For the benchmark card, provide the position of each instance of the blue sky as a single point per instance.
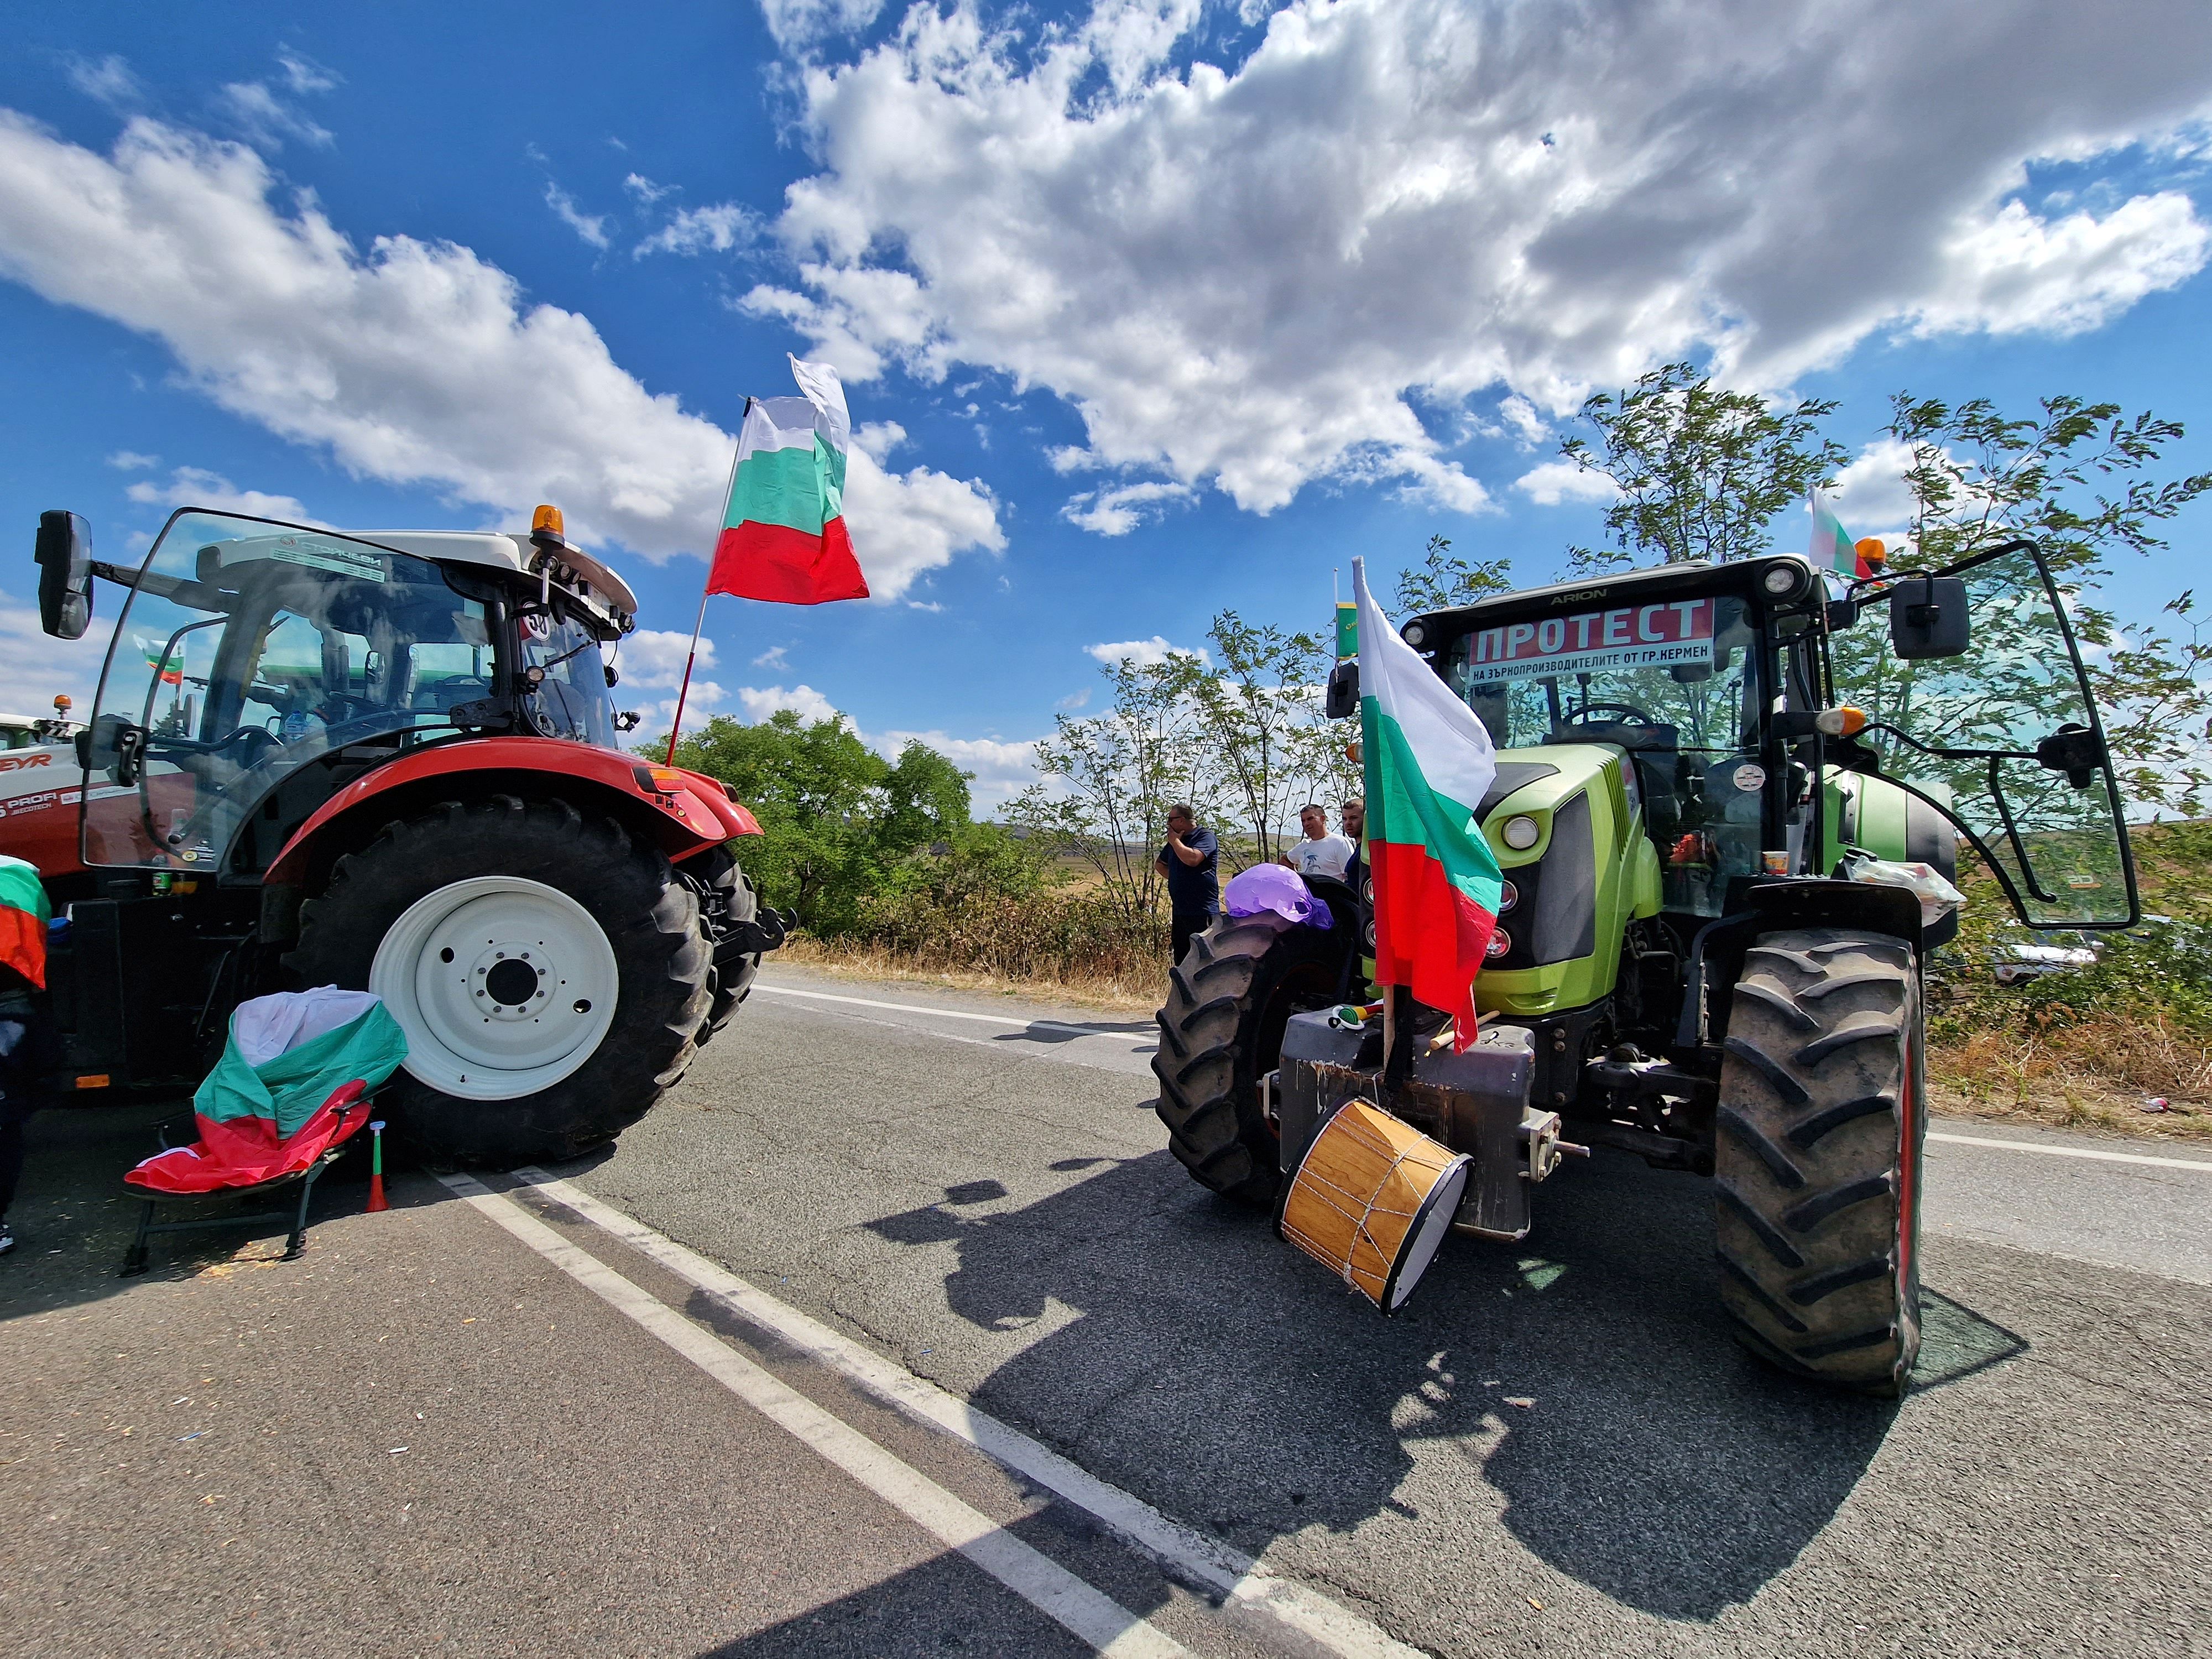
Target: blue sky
(1145, 309)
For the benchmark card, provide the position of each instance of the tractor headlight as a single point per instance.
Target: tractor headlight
(1416, 635)
(1781, 580)
(1500, 943)
(1507, 897)
(1521, 832)
(1367, 890)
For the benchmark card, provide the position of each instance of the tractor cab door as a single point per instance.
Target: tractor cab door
(247, 653)
(2003, 736)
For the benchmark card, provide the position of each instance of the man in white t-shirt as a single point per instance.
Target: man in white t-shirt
(1320, 853)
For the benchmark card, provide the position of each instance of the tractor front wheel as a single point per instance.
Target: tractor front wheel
(549, 971)
(1222, 1031)
(1817, 1157)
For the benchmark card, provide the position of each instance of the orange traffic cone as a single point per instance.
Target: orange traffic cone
(376, 1201)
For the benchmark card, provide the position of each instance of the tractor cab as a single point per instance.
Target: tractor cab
(257, 667)
(1760, 730)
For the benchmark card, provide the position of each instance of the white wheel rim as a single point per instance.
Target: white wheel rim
(503, 986)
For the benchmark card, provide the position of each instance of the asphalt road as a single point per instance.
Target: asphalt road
(977, 1192)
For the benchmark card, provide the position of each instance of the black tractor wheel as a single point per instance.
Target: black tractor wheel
(549, 970)
(1222, 1031)
(725, 890)
(1817, 1157)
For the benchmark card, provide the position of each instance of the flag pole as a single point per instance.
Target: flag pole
(676, 726)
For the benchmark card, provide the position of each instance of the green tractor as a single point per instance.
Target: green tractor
(1707, 954)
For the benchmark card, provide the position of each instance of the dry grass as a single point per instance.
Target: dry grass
(2093, 1075)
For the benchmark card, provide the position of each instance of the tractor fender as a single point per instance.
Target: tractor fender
(1716, 955)
(683, 813)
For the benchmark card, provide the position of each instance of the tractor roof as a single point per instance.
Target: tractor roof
(503, 552)
(1687, 574)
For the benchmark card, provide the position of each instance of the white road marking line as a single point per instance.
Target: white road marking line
(1094, 1617)
(1281, 1609)
(2204, 1164)
(945, 1013)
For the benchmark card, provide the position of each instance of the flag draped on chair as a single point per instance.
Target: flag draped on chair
(1429, 761)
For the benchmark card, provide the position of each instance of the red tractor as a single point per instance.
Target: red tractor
(388, 760)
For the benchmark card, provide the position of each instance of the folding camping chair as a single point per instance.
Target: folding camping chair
(135, 1258)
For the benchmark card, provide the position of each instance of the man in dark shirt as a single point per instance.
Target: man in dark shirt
(1190, 861)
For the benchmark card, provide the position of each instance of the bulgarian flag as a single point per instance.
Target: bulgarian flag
(783, 527)
(1428, 763)
(24, 913)
(1832, 547)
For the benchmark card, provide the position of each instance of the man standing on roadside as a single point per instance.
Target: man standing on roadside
(1191, 862)
(1355, 831)
(1320, 853)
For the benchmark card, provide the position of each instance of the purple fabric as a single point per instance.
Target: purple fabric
(1273, 887)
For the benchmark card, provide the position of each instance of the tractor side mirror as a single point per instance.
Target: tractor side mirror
(64, 556)
(1343, 702)
(1929, 617)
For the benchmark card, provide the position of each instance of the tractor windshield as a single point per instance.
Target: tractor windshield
(2006, 740)
(248, 650)
(1679, 684)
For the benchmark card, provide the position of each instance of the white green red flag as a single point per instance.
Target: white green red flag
(783, 527)
(1429, 761)
(1832, 547)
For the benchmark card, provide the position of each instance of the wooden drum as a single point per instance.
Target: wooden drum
(1372, 1200)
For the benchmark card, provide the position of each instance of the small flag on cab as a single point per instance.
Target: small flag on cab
(783, 535)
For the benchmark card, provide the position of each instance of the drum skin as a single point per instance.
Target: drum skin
(1372, 1200)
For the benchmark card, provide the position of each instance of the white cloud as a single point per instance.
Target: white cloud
(1871, 495)
(195, 486)
(417, 364)
(35, 665)
(1075, 700)
(655, 657)
(761, 701)
(108, 79)
(129, 460)
(1555, 482)
(1001, 769)
(1247, 280)
(698, 230)
(905, 524)
(774, 659)
(2013, 273)
(303, 74)
(591, 227)
(1145, 654)
(644, 190)
(266, 119)
(800, 26)
(1117, 511)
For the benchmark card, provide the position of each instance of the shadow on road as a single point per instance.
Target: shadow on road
(1062, 1031)
(1583, 1388)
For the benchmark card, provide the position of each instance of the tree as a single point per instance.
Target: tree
(1702, 472)
(1108, 780)
(1442, 582)
(835, 815)
(2067, 477)
(1254, 708)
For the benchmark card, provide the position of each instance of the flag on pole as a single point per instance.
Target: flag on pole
(1428, 762)
(783, 526)
(24, 913)
(1832, 547)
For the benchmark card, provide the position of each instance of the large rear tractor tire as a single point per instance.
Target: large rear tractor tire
(1222, 1031)
(550, 973)
(729, 891)
(1817, 1157)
